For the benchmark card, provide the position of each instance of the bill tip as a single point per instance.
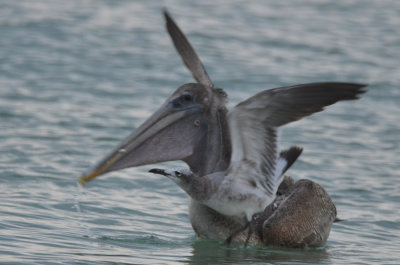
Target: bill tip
(82, 180)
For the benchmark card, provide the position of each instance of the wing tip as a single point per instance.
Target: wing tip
(166, 14)
(350, 91)
(290, 155)
(186, 51)
(361, 89)
(168, 18)
(357, 89)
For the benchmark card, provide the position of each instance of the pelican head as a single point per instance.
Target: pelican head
(176, 131)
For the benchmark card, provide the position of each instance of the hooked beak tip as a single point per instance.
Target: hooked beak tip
(101, 169)
(83, 179)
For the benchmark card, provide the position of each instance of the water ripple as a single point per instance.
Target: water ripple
(77, 78)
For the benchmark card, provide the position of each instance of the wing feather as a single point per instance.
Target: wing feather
(254, 150)
(253, 125)
(287, 104)
(187, 53)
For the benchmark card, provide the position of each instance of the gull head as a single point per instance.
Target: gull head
(178, 175)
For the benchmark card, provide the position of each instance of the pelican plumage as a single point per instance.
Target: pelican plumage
(194, 125)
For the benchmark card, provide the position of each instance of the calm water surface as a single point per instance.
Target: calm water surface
(76, 77)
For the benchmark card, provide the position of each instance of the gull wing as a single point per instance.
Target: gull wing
(254, 149)
(187, 53)
(286, 104)
(253, 124)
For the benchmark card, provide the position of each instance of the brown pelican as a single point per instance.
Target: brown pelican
(192, 126)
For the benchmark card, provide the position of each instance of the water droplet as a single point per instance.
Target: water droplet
(122, 150)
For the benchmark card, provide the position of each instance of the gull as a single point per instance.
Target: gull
(250, 183)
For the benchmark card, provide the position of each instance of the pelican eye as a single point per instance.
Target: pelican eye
(187, 97)
(182, 100)
(178, 174)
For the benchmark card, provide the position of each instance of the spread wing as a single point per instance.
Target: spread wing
(254, 149)
(286, 104)
(187, 53)
(253, 124)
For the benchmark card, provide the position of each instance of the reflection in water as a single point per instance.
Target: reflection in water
(211, 252)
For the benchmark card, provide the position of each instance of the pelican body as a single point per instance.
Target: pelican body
(193, 126)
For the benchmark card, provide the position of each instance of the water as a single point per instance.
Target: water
(76, 77)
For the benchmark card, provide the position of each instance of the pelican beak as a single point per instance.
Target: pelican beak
(168, 135)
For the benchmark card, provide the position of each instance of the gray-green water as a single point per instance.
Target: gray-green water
(78, 76)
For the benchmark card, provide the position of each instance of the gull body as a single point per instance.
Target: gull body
(194, 125)
(240, 193)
